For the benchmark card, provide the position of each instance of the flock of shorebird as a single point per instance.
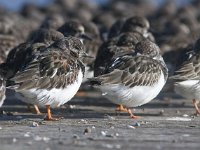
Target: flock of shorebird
(46, 67)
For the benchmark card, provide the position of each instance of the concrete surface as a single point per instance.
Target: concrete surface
(92, 123)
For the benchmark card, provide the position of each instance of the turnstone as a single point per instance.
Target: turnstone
(22, 54)
(53, 21)
(187, 77)
(124, 43)
(46, 36)
(138, 24)
(73, 28)
(133, 79)
(90, 40)
(53, 76)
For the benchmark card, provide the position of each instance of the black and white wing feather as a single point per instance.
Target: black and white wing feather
(132, 71)
(51, 69)
(189, 70)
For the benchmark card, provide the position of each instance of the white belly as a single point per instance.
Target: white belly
(189, 89)
(88, 74)
(132, 97)
(54, 97)
(2, 99)
(2, 94)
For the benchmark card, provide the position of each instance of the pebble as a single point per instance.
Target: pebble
(0, 128)
(137, 124)
(131, 127)
(161, 112)
(35, 124)
(185, 115)
(87, 130)
(14, 140)
(72, 106)
(75, 136)
(110, 117)
(103, 133)
(37, 138)
(27, 134)
(83, 121)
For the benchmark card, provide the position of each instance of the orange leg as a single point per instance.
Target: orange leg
(49, 116)
(132, 115)
(121, 108)
(195, 103)
(37, 110)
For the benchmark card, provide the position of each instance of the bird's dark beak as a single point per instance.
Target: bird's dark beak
(85, 37)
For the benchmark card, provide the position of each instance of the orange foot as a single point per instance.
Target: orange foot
(195, 103)
(49, 116)
(132, 115)
(121, 108)
(37, 110)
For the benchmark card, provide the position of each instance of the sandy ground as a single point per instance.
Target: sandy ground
(92, 123)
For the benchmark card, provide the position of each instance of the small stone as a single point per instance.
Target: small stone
(14, 140)
(84, 121)
(185, 115)
(0, 128)
(87, 130)
(137, 124)
(60, 142)
(103, 133)
(110, 135)
(161, 112)
(110, 117)
(37, 138)
(75, 136)
(91, 138)
(112, 127)
(131, 127)
(116, 134)
(72, 106)
(192, 126)
(93, 127)
(178, 112)
(46, 139)
(35, 124)
(27, 134)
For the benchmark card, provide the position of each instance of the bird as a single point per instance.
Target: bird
(187, 76)
(135, 78)
(22, 53)
(51, 77)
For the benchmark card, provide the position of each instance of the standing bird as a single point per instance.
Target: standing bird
(187, 77)
(51, 77)
(133, 79)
